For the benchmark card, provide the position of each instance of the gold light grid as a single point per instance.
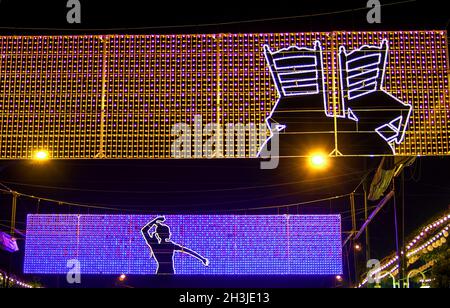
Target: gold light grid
(417, 74)
(50, 91)
(154, 83)
(248, 92)
(118, 96)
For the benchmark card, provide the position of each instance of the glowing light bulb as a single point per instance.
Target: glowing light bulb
(358, 247)
(42, 155)
(319, 161)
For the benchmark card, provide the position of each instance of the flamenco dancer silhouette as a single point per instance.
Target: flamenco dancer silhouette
(163, 249)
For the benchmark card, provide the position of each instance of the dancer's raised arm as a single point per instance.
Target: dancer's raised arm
(149, 238)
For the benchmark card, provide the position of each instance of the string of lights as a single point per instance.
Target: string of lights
(14, 282)
(439, 237)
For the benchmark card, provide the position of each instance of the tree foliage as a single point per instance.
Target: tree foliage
(441, 270)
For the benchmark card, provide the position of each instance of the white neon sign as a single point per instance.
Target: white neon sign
(295, 79)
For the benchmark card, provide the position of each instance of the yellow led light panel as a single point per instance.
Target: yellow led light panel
(120, 96)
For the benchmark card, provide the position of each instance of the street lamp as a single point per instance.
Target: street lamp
(358, 247)
(385, 274)
(318, 161)
(41, 156)
(121, 282)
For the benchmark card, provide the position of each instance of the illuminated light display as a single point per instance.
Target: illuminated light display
(163, 248)
(8, 243)
(227, 245)
(119, 96)
(433, 236)
(297, 72)
(362, 75)
(15, 282)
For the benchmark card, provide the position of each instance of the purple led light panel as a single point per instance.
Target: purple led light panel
(234, 245)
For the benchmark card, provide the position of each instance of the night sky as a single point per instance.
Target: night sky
(219, 186)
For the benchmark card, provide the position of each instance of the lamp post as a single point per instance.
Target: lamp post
(415, 272)
(41, 156)
(386, 273)
(318, 161)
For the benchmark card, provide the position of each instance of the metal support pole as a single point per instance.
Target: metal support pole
(354, 231)
(403, 258)
(103, 116)
(366, 217)
(13, 213)
(12, 231)
(353, 210)
(394, 282)
(336, 106)
(375, 213)
(219, 151)
(414, 273)
(400, 229)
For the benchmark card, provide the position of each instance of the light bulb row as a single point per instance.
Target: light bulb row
(437, 241)
(392, 271)
(16, 282)
(426, 230)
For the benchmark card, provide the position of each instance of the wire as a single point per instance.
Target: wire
(364, 179)
(62, 203)
(6, 187)
(287, 206)
(6, 226)
(180, 191)
(198, 207)
(109, 208)
(9, 221)
(249, 21)
(419, 176)
(291, 205)
(435, 186)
